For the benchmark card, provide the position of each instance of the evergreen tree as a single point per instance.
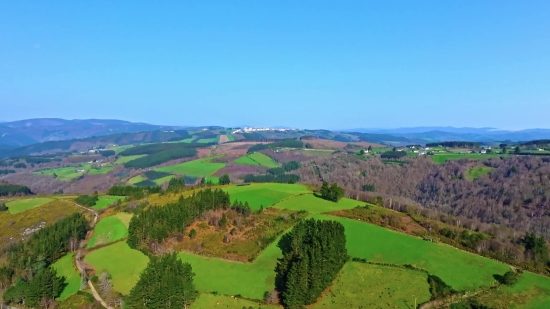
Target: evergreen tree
(313, 254)
(3, 207)
(224, 180)
(165, 283)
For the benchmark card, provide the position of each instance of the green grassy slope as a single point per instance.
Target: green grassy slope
(18, 206)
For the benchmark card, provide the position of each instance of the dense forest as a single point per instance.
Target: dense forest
(150, 227)
(166, 282)
(313, 254)
(285, 178)
(133, 192)
(28, 274)
(7, 189)
(87, 200)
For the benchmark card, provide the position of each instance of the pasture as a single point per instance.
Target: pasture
(62, 173)
(136, 179)
(208, 301)
(105, 201)
(373, 286)
(313, 204)
(100, 171)
(532, 291)
(108, 230)
(121, 262)
(250, 280)
(442, 158)
(377, 244)
(317, 152)
(65, 267)
(18, 206)
(258, 159)
(126, 159)
(478, 171)
(196, 168)
(160, 181)
(265, 194)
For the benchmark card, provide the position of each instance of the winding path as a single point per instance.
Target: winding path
(78, 262)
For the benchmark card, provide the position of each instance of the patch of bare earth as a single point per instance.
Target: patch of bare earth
(223, 139)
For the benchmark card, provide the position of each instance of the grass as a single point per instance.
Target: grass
(208, 301)
(209, 140)
(65, 267)
(230, 137)
(442, 158)
(18, 206)
(108, 230)
(313, 204)
(371, 286)
(530, 292)
(162, 180)
(478, 171)
(265, 194)
(62, 173)
(136, 179)
(377, 244)
(250, 280)
(101, 171)
(258, 159)
(14, 224)
(196, 168)
(105, 201)
(122, 160)
(121, 262)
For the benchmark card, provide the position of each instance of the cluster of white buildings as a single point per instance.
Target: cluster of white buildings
(249, 129)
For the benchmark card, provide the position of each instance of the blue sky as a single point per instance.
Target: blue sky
(306, 64)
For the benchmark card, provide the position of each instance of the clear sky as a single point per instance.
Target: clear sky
(307, 64)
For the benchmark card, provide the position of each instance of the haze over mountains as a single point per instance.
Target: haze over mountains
(26, 132)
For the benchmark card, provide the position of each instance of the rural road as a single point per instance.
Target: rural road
(78, 262)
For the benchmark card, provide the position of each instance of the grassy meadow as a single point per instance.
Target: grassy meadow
(22, 205)
(105, 201)
(313, 204)
(62, 173)
(371, 286)
(442, 158)
(125, 159)
(196, 168)
(265, 194)
(377, 244)
(136, 179)
(258, 159)
(66, 268)
(121, 262)
(478, 171)
(532, 291)
(208, 301)
(100, 171)
(160, 181)
(110, 229)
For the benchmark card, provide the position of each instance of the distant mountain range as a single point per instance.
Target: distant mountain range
(439, 134)
(32, 131)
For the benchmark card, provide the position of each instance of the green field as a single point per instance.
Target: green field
(377, 244)
(18, 206)
(122, 160)
(371, 286)
(121, 262)
(101, 171)
(105, 201)
(313, 204)
(258, 159)
(250, 280)
(62, 173)
(442, 158)
(136, 179)
(209, 140)
(196, 168)
(265, 194)
(108, 230)
(208, 301)
(162, 180)
(65, 267)
(478, 171)
(230, 137)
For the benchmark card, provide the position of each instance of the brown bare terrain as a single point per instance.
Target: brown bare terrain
(223, 139)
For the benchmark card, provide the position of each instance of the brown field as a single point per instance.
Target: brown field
(223, 139)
